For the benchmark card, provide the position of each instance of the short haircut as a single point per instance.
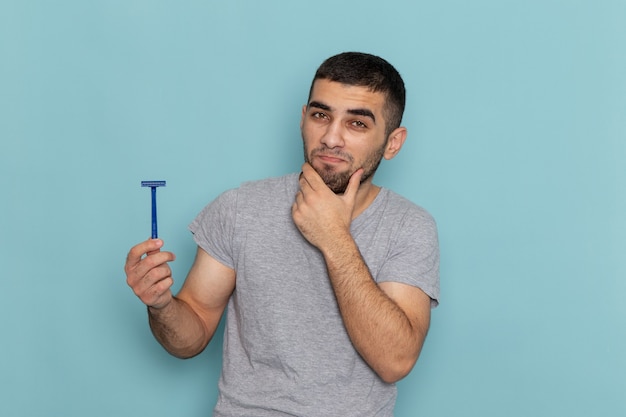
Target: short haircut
(373, 72)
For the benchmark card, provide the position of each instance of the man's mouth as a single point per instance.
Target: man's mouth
(330, 159)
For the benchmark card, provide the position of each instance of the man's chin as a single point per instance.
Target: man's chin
(336, 181)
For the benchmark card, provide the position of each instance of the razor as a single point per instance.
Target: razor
(153, 185)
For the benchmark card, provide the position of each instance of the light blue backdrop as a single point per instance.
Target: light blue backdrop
(517, 120)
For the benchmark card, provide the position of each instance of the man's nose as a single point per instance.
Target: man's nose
(333, 137)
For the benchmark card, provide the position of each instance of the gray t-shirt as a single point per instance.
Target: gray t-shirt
(286, 351)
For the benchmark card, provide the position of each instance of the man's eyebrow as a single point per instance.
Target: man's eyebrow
(363, 112)
(356, 112)
(319, 105)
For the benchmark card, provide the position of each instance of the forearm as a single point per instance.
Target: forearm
(378, 328)
(178, 329)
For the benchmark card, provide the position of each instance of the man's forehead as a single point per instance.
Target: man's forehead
(327, 92)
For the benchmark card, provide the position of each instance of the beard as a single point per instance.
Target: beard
(338, 181)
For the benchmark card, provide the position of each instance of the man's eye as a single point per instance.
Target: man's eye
(359, 124)
(319, 115)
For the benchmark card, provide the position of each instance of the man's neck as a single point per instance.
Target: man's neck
(365, 196)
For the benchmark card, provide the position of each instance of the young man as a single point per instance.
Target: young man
(328, 279)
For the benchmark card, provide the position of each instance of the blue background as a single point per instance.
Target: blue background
(517, 142)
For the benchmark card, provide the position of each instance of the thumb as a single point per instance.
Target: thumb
(354, 184)
(155, 246)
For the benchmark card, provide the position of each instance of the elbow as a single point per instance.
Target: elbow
(396, 370)
(396, 365)
(182, 349)
(182, 352)
(184, 355)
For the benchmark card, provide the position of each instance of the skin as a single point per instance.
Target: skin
(184, 324)
(343, 131)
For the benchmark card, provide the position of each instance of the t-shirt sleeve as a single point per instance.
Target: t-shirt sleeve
(213, 229)
(414, 256)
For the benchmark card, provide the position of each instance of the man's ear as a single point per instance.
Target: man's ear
(303, 115)
(394, 142)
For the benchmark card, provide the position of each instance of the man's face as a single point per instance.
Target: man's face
(343, 129)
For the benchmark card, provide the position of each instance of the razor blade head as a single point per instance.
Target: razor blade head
(153, 183)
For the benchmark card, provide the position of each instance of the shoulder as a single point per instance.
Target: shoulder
(267, 197)
(285, 182)
(262, 188)
(400, 207)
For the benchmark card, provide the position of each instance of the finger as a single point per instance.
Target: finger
(146, 286)
(136, 252)
(150, 262)
(354, 184)
(298, 198)
(303, 180)
(158, 293)
(310, 177)
(153, 278)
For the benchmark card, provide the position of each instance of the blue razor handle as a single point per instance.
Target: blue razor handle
(153, 185)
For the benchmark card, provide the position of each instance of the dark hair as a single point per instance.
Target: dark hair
(373, 72)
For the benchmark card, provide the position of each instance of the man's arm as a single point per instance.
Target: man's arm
(183, 324)
(387, 323)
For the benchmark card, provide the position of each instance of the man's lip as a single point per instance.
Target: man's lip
(330, 159)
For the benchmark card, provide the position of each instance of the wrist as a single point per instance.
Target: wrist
(159, 309)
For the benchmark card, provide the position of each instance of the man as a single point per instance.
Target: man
(328, 279)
